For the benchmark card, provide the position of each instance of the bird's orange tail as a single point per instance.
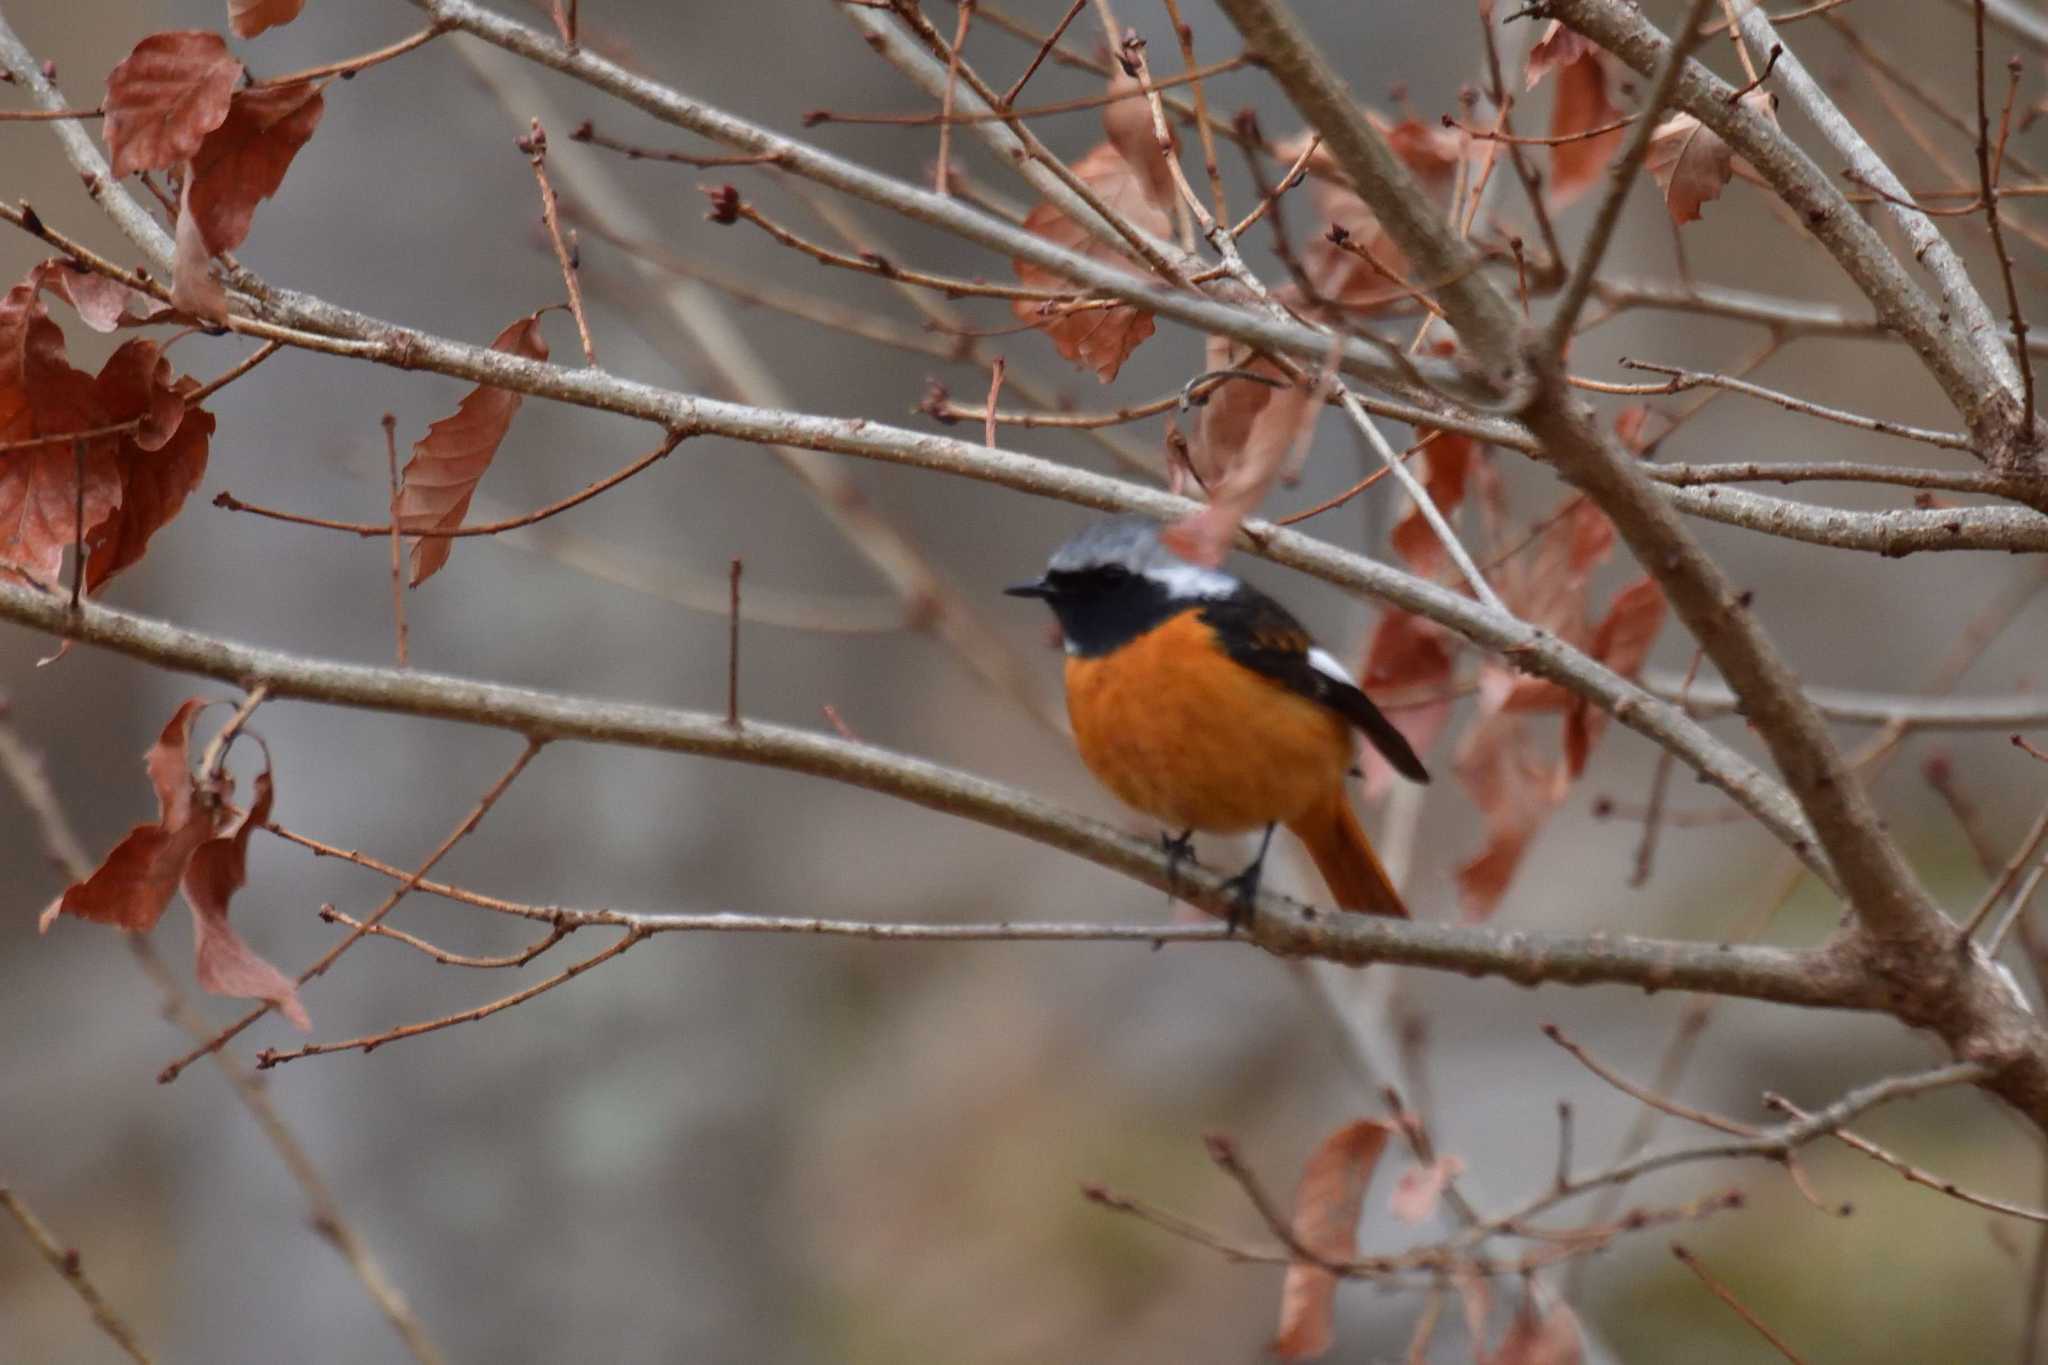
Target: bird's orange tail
(1343, 855)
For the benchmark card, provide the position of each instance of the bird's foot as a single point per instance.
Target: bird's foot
(1179, 850)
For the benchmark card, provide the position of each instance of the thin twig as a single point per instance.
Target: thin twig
(1987, 185)
(230, 502)
(946, 102)
(535, 145)
(468, 822)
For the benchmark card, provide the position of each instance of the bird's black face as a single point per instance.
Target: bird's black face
(1101, 606)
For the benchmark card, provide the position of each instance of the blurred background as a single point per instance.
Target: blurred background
(745, 1148)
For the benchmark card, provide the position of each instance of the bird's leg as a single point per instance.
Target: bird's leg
(1244, 887)
(1179, 848)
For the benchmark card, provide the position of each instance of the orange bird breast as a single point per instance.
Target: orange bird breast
(1181, 731)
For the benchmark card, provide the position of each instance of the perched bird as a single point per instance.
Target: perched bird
(1202, 702)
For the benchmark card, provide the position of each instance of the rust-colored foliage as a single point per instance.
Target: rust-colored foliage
(173, 102)
(132, 888)
(251, 17)
(1515, 789)
(134, 481)
(165, 97)
(1128, 172)
(243, 161)
(222, 962)
(186, 847)
(1691, 163)
(449, 461)
(1252, 434)
(1327, 1207)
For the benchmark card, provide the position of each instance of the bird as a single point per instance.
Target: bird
(1200, 701)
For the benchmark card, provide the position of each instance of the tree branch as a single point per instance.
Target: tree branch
(1815, 978)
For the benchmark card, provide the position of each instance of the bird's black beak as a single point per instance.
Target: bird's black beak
(1036, 588)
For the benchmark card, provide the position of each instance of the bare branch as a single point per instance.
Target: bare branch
(1284, 926)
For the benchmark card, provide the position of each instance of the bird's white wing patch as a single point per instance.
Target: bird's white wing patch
(1324, 662)
(1190, 581)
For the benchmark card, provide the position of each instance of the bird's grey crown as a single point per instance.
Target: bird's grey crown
(1134, 543)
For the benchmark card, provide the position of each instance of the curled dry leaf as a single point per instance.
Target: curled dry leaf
(165, 97)
(1252, 435)
(1691, 164)
(251, 17)
(1327, 1207)
(135, 481)
(243, 161)
(41, 394)
(237, 166)
(223, 963)
(102, 304)
(449, 461)
(1128, 172)
(136, 882)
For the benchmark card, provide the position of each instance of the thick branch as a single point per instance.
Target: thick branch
(2016, 530)
(1284, 926)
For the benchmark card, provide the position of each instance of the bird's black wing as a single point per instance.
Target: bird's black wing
(1262, 635)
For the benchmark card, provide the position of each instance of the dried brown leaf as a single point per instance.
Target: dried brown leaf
(243, 161)
(102, 304)
(194, 290)
(1582, 103)
(251, 17)
(1327, 1207)
(41, 394)
(1622, 641)
(223, 963)
(135, 883)
(449, 461)
(1129, 174)
(1691, 164)
(1446, 467)
(1516, 791)
(165, 97)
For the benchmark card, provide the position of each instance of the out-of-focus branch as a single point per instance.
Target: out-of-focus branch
(71, 1269)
